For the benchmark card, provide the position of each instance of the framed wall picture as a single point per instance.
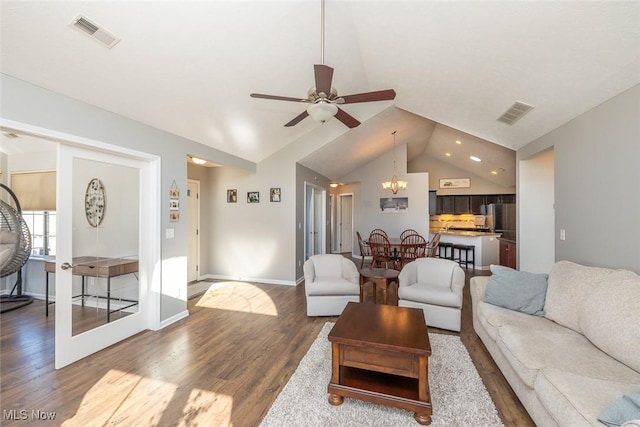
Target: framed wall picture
(274, 194)
(394, 204)
(174, 205)
(253, 197)
(232, 196)
(455, 182)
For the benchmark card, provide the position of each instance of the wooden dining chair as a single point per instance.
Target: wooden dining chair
(412, 247)
(380, 251)
(408, 232)
(432, 246)
(380, 231)
(365, 250)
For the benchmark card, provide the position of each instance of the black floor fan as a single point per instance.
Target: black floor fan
(15, 248)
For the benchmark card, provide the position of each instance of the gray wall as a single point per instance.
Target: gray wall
(597, 183)
(438, 169)
(25, 103)
(366, 201)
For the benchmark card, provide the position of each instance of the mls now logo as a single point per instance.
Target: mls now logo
(23, 414)
(15, 414)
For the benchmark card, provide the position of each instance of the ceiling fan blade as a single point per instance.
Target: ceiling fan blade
(278, 98)
(347, 118)
(380, 95)
(324, 75)
(297, 119)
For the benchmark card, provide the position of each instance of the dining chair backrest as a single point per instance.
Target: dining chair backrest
(380, 250)
(408, 232)
(432, 246)
(380, 231)
(412, 247)
(365, 250)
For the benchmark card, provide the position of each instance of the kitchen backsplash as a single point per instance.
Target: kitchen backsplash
(439, 222)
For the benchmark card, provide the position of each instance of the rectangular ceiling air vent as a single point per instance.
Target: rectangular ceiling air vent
(515, 113)
(94, 31)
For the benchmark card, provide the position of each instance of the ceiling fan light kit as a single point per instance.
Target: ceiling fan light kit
(322, 111)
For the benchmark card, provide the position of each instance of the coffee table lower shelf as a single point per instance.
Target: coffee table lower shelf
(381, 388)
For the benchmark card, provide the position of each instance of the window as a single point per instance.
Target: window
(36, 192)
(42, 225)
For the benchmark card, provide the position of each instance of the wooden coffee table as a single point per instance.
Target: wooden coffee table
(380, 354)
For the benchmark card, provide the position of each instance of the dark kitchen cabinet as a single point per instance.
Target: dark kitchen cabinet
(445, 205)
(500, 198)
(476, 203)
(508, 253)
(461, 205)
(469, 204)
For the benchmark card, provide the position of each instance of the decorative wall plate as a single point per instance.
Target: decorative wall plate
(95, 202)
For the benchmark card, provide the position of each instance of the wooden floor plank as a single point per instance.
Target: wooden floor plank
(223, 365)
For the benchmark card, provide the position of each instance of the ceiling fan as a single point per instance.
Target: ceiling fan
(323, 97)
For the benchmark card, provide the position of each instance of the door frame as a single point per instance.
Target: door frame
(309, 211)
(197, 236)
(150, 229)
(341, 222)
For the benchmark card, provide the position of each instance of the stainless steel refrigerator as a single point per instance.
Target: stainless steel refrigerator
(501, 218)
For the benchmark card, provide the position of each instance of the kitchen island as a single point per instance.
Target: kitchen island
(487, 245)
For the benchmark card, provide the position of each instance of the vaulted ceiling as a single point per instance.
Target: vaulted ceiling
(189, 67)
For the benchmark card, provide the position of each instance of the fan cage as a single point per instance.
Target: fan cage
(11, 221)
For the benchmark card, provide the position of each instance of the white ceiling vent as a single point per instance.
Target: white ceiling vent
(94, 31)
(515, 112)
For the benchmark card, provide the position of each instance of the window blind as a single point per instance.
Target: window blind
(36, 191)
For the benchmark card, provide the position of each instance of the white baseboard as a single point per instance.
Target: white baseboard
(251, 279)
(174, 319)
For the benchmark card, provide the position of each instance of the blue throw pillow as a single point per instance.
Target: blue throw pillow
(517, 290)
(622, 410)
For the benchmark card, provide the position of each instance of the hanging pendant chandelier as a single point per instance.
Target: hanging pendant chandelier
(395, 184)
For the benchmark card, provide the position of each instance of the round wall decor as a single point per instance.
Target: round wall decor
(95, 202)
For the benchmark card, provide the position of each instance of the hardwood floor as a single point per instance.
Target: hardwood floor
(223, 365)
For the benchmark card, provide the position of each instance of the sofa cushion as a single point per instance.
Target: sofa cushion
(517, 290)
(493, 317)
(435, 272)
(574, 399)
(429, 294)
(331, 286)
(569, 287)
(327, 265)
(610, 318)
(529, 350)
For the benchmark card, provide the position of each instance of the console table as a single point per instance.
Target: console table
(90, 266)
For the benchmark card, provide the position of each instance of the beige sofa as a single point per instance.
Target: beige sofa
(581, 356)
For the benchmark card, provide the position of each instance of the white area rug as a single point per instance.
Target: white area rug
(458, 395)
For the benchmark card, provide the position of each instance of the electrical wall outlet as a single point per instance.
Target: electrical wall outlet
(563, 235)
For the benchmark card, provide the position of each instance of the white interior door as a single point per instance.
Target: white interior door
(315, 220)
(193, 230)
(346, 223)
(102, 296)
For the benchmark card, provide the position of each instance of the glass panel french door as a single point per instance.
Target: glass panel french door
(101, 279)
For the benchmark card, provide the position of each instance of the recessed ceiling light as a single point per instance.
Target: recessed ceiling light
(494, 172)
(447, 154)
(198, 161)
(458, 142)
(475, 159)
(333, 184)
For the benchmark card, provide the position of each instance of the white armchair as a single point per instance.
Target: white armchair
(435, 285)
(330, 282)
